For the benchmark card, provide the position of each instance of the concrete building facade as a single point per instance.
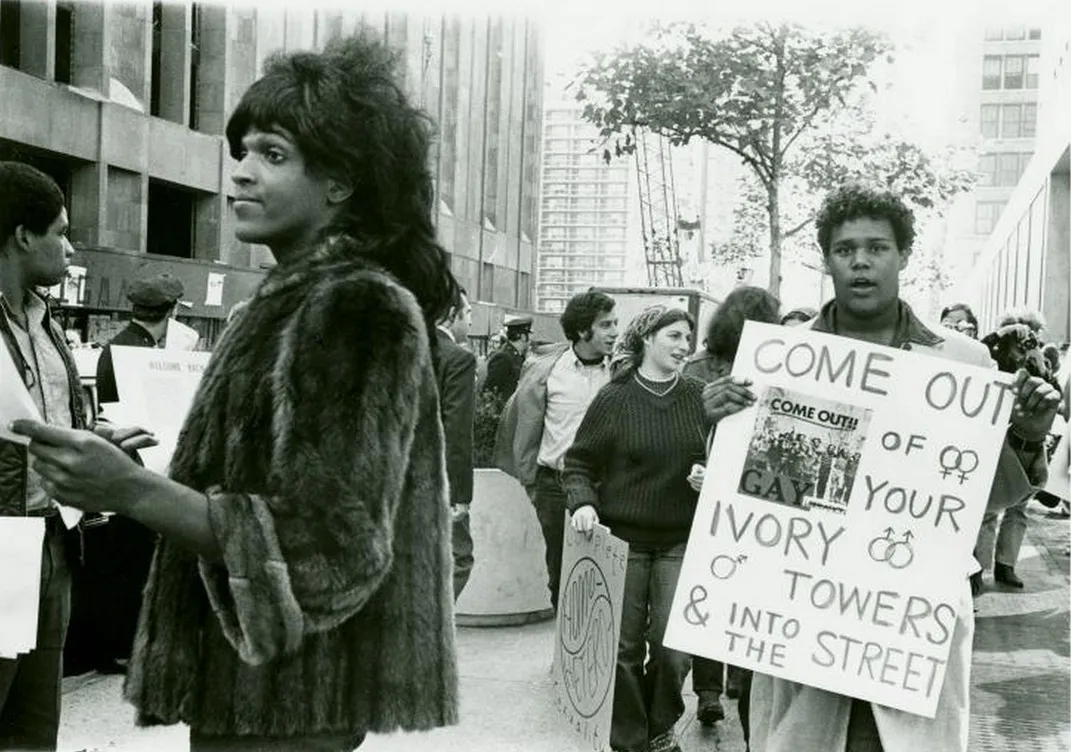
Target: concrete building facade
(125, 105)
(1026, 259)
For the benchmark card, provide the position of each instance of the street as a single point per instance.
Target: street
(1021, 698)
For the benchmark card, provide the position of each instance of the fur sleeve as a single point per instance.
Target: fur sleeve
(348, 386)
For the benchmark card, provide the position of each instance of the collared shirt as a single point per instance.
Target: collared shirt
(571, 386)
(909, 329)
(446, 330)
(48, 385)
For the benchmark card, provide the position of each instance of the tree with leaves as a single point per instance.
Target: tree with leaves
(759, 91)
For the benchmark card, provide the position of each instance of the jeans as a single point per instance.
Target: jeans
(1008, 541)
(30, 685)
(647, 698)
(548, 497)
(463, 558)
(315, 743)
(862, 729)
(707, 675)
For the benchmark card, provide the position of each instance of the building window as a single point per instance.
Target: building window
(987, 166)
(1014, 66)
(10, 31)
(1030, 120)
(990, 121)
(157, 55)
(195, 60)
(986, 214)
(1011, 121)
(994, 34)
(1034, 34)
(1015, 33)
(991, 72)
(1008, 169)
(64, 41)
(1033, 70)
(487, 282)
(170, 231)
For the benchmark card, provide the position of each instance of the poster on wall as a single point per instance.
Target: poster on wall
(156, 390)
(589, 625)
(835, 529)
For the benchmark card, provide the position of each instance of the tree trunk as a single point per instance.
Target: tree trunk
(773, 206)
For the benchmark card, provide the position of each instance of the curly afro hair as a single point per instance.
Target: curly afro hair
(856, 201)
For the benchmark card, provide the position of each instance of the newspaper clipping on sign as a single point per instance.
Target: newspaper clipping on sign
(589, 625)
(835, 529)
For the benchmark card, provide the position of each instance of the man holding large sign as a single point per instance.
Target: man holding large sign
(831, 548)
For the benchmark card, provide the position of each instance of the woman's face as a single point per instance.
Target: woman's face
(278, 202)
(958, 320)
(667, 349)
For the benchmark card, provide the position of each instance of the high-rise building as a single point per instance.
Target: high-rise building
(589, 226)
(124, 104)
(1025, 261)
(999, 69)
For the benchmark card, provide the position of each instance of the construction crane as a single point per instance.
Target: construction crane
(658, 209)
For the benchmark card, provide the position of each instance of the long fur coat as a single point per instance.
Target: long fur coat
(316, 437)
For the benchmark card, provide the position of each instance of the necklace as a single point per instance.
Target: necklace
(672, 381)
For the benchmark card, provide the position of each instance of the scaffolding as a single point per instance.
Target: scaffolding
(658, 209)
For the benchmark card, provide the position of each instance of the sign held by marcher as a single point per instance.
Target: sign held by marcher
(589, 625)
(834, 531)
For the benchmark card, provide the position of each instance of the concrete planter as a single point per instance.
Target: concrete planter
(508, 585)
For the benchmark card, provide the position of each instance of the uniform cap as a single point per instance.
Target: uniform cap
(156, 292)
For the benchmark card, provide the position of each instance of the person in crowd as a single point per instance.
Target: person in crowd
(959, 317)
(713, 363)
(35, 253)
(629, 469)
(798, 316)
(1014, 345)
(455, 373)
(301, 594)
(540, 420)
(866, 237)
(504, 364)
(117, 552)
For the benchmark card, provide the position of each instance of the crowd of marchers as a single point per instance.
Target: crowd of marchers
(312, 532)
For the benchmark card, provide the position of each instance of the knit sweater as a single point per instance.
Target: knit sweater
(632, 456)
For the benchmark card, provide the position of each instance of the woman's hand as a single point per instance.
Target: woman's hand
(695, 478)
(81, 468)
(585, 519)
(725, 396)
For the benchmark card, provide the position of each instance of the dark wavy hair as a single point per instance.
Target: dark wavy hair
(630, 346)
(28, 197)
(856, 201)
(960, 307)
(349, 117)
(727, 323)
(581, 311)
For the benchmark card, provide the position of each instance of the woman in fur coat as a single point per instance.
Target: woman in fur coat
(301, 595)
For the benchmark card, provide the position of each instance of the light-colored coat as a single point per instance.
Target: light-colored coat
(792, 717)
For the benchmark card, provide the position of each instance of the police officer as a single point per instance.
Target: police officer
(504, 365)
(106, 587)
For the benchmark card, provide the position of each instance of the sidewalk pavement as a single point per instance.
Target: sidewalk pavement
(1020, 700)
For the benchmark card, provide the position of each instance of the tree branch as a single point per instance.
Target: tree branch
(789, 233)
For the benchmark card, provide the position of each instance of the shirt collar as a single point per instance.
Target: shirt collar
(32, 303)
(447, 332)
(581, 364)
(909, 328)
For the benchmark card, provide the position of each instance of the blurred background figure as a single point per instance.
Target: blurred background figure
(797, 316)
(960, 317)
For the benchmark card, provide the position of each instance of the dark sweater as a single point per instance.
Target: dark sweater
(631, 458)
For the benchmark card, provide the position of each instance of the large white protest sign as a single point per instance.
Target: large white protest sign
(835, 527)
(156, 389)
(589, 625)
(21, 540)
